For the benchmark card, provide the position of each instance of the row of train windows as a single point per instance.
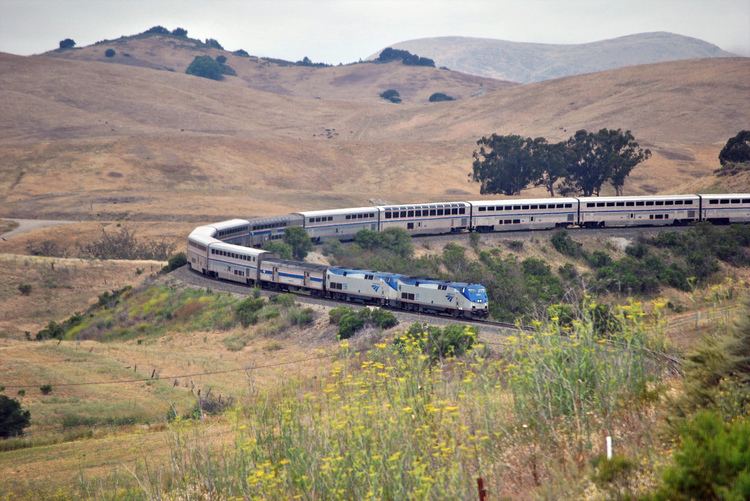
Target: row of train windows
(241, 257)
(509, 221)
(198, 246)
(648, 203)
(238, 229)
(335, 285)
(724, 201)
(268, 226)
(658, 216)
(320, 219)
(407, 295)
(239, 273)
(425, 212)
(526, 207)
(360, 216)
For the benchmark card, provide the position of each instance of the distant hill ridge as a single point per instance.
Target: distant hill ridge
(534, 62)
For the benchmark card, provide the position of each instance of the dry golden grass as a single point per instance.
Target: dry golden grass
(59, 287)
(95, 140)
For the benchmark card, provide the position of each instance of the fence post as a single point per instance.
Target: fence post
(481, 490)
(609, 447)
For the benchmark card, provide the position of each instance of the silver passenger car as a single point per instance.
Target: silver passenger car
(426, 219)
(288, 275)
(527, 214)
(233, 262)
(726, 208)
(656, 210)
(341, 224)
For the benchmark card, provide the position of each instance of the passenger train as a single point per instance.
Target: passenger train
(227, 250)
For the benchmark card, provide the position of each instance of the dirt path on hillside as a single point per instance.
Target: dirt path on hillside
(27, 225)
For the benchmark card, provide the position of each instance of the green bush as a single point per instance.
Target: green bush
(350, 322)
(298, 239)
(711, 462)
(563, 244)
(391, 95)
(175, 261)
(383, 318)
(301, 317)
(286, 300)
(281, 249)
(109, 53)
(246, 311)
(450, 341)
(67, 43)
(179, 32)
(335, 314)
(13, 417)
(599, 259)
(440, 96)
(46, 389)
(24, 289)
(206, 67)
(221, 59)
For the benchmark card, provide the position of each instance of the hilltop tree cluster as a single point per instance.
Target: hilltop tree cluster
(581, 164)
(735, 155)
(405, 57)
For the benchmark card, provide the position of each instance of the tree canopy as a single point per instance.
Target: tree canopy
(737, 149)
(206, 67)
(179, 32)
(13, 417)
(440, 96)
(389, 54)
(581, 164)
(298, 239)
(68, 43)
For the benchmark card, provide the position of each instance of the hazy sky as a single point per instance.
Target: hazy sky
(346, 30)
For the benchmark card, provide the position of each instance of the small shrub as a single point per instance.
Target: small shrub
(175, 261)
(301, 317)
(391, 95)
(383, 318)
(450, 341)
(21, 392)
(46, 248)
(350, 323)
(335, 314)
(514, 245)
(246, 311)
(221, 59)
(285, 300)
(613, 475)
(179, 32)
(109, 53)
(46, 389)
(474, 240)
(213, 44)
(563, 244)
(390, 54)
(241, 53)
(440, 96)
(279, 248)
(24, 289)
(156, 30)
(599, 259)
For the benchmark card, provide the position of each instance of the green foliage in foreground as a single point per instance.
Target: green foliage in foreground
(392, 423)
(711, 462)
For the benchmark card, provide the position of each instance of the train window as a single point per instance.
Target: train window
(629, 204)
(516, 221)
(669, 202)
(454, 210)
(525, 207)
(639, 204)
(610, 204)
(482, 209)
(590, 204)
(666, 216)
(348, 216)
(442, 287)
(462, 210)
(725, 201)
(387, 215)
(403, 213)
(330, 218)
(507, 221)
(650, 202)
(621, 204)
(368, 277)
(600, 204)
(659, 202)
(499, 221)
(746, 200)
(542, 206)
(410, 213)
(533, 207)
(713, 202)
(678, 202)
(735, 200)
(440, 212)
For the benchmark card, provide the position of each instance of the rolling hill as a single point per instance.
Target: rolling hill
(534, 62)
(93, 140)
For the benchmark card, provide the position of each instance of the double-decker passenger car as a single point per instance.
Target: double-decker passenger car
(232, 231)
(197, 249)
(653, 210)
(341, 224)
(726, 208)
(530, 214)
(263, 229)
(234, 262)
(426, 219)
